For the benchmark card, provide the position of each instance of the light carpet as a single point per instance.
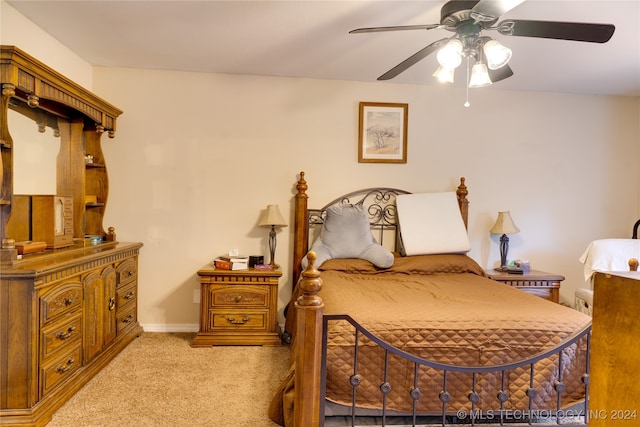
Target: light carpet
(159, 380)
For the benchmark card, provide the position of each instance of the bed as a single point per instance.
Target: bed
(428, 335)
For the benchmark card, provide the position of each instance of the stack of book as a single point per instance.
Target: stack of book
(237, 262)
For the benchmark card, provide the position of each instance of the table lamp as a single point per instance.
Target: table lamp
(504, 225)
(272, 217)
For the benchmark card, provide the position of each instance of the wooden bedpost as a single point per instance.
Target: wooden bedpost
(463, 202)
(300, 228)
(308, 350)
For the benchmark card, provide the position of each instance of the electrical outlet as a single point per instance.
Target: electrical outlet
(196, 296)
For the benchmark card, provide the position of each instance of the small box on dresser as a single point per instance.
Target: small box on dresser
(238, 307)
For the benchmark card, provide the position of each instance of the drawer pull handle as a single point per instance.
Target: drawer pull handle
(68, 301)
(130, 295)
(64, 368)
(128, 319)
(64, 335)
(242, 321)
(112, 303)
(238, 298)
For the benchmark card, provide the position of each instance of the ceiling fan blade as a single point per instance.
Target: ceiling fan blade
(501, 73)
(396, 28)
(413, 59)
(577, 31)
(488, 10)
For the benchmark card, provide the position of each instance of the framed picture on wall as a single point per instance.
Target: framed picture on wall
(382, 132)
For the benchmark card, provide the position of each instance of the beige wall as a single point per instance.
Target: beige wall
(197, 157)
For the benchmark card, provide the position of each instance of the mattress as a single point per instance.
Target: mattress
(443, 308)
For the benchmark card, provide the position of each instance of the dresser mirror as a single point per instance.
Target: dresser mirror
(36, 143)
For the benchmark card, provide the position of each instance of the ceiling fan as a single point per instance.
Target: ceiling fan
(468, 19)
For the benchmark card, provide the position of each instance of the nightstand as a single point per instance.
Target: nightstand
(238, 307)
(539, 283)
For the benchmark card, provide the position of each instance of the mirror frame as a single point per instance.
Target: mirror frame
(24, 77)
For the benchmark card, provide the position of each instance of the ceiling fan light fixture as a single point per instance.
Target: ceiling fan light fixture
(450, 56)
(497, 54)
(444, 75)
(479, 76)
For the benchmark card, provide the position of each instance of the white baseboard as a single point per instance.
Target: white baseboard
(176, 327)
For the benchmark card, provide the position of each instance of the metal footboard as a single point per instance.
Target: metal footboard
(497, 416)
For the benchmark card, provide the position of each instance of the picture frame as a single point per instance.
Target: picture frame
(382, 132)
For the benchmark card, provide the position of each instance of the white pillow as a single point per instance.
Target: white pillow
(609, 255)
(431, 223)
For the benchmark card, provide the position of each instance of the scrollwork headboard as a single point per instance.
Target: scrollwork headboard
(378, 202)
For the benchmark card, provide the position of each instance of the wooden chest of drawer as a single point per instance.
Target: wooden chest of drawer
(238, 307)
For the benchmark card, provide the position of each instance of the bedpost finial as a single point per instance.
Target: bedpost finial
(462, 191)
(301, 186)
(310, 283)
(633, 264)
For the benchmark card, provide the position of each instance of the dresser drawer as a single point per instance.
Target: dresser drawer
(60, 334)
(60, 368)
(127, 272)
(63, 299)
(126, 294)
(240, 296)
(126, 317)
(235, 319)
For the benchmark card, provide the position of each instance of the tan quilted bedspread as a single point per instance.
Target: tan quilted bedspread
(443, 308)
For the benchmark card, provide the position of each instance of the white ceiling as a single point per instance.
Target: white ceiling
(308, 38)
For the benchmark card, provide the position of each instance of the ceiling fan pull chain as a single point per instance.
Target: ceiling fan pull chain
(467, 104)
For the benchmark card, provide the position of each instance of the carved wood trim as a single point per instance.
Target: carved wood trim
(37, 83)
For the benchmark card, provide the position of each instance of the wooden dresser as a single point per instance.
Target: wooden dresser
(238, 307)
(615, 350)
(63, 317)
(68, 288)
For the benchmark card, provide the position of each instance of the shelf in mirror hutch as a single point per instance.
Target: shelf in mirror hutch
(68, 288)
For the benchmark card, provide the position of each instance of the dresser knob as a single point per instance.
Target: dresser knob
(238, 298)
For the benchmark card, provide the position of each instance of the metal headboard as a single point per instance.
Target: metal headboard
(635, 229)
(380, 205)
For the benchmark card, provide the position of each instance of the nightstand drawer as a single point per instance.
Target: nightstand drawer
(239, 296)
(252, 319)
(539, 283)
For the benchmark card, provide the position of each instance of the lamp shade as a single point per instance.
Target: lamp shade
(450, 56)
(497, 55)
(479, 76)
(272, 217)
(444, 75)
(504, 224)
